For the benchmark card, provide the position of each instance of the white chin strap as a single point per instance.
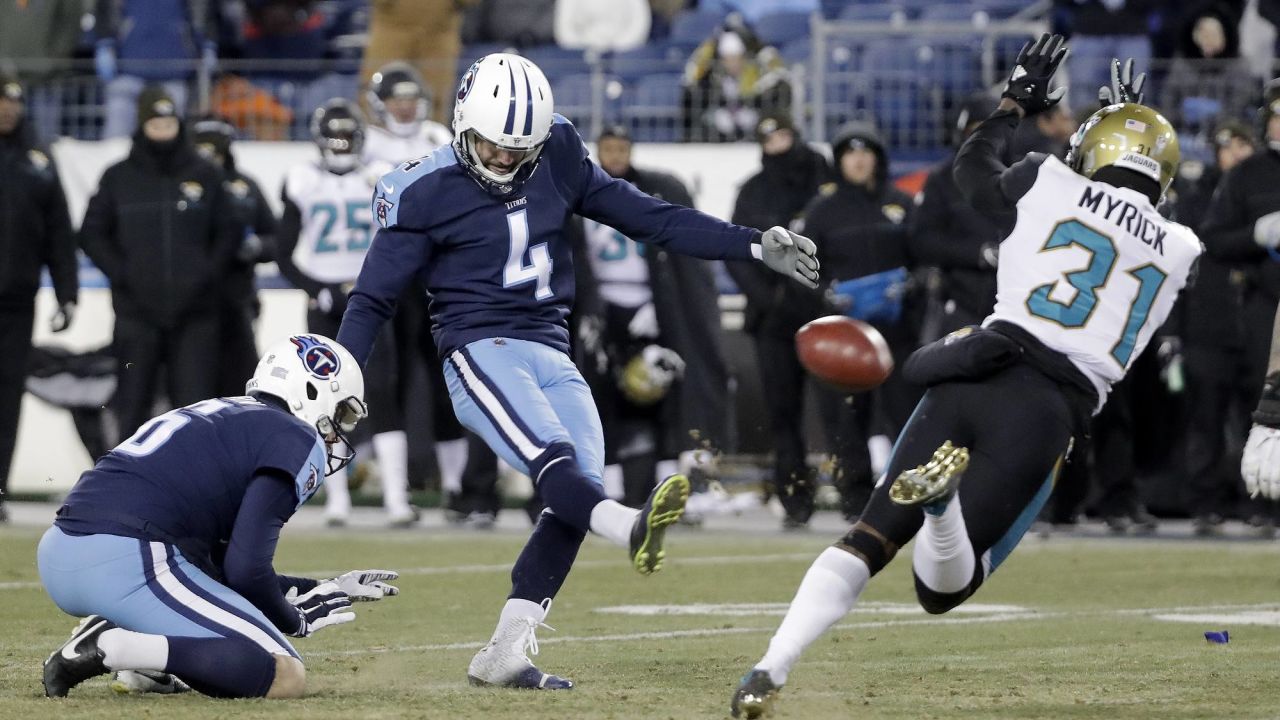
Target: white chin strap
(403, 129)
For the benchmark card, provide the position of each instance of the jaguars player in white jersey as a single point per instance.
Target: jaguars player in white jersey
(1088, 270)
(401, 108)
(325, 232)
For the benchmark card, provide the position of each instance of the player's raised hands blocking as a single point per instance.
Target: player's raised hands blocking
(323, 606)
(790, 254)
(1125, 88)
(367, 585)
(1028, 84)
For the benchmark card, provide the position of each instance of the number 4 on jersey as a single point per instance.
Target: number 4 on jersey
(538, 270)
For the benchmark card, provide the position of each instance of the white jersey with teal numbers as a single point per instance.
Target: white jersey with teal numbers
(1092, 270)
(383, 146)
(337, 222)
(618, 264)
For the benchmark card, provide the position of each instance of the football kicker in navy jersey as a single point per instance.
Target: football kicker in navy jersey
(165, 547)
(480, 225)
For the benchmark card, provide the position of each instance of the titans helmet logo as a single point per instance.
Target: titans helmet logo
(318, 358)
(469, 79)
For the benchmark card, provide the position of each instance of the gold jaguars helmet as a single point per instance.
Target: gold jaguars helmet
(1129, 136)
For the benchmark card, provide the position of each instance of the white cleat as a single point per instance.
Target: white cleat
(147, 681)
(505, 662)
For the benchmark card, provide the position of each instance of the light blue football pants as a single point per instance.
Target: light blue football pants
(521, 397)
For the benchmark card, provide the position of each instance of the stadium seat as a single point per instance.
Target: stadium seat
(654, 58)
(947, 13)
(574, 97)
(782, 27)
(797, 51)
(693, 27)
(652, 108)
(556, 61)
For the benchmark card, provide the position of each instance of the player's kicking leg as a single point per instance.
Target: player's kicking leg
(959, 544)
(149, 610)
(533, 408)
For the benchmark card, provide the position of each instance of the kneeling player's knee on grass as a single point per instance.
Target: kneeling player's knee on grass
(869, 544)
(937, 603)
(291, 678)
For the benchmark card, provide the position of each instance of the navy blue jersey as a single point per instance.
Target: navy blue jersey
(501, 267)
(182, 477)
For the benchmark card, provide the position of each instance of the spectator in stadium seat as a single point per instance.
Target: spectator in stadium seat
(1208, 79)
(790, 176)
(730, 82)
(1241, 230)
(1102, 30)
(860, 225)
(35, 233)
(615, 26)
(152, 41)
(39, 37)
(160, 229)
(425, 33)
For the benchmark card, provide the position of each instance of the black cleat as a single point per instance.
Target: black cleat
(664, 507)
(78, 659)
(754, 696)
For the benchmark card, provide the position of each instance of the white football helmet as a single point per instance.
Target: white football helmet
(322, 385)
(505, 99)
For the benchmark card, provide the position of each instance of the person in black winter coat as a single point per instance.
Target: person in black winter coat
(632, 298)
(35, 232)
(1226, 366)
(957, 239)
(861, 229)
(790, 176)
(161, 230)
(240, 306)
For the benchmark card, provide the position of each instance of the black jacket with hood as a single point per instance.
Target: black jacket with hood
(161, 229)
(777, 195)
(35, 229)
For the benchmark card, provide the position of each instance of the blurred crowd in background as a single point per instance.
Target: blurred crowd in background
(893, 88)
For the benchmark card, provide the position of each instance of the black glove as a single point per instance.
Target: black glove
(1268, 412)
(1124, 87)
(1028, 85)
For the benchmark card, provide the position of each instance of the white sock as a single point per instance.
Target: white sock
(517, 608)
(128, 650)
(943, 556)
(664, 469)
(612, 520)
(613, 484)
(451, 457)
(826, 594)
(337, 499)
(392, 451)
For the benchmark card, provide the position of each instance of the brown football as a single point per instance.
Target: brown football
(844, 353)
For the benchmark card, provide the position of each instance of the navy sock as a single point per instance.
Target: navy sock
(546, 559)
(569, 494)
(222, 667)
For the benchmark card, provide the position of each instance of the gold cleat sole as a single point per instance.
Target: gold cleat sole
(667, 507)
(754, 698)
(924, 484)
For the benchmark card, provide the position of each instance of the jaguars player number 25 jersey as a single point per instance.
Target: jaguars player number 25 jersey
(1092, 270)
(337, 222)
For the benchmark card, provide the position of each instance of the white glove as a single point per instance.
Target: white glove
(1266, 230)
(325, 605)
(665, 365)
(63, 317)
(367, 585)
(1260, 465)
(644, 324)
(790, 254)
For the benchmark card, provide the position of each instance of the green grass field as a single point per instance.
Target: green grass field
(1065, 630)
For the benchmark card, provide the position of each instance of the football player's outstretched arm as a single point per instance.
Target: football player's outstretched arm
(1260, 465)
(646, 219)
(980, 172)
